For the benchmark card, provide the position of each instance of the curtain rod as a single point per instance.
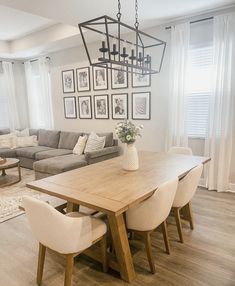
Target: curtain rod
(8, 62)
(195, 21)
(31, 61)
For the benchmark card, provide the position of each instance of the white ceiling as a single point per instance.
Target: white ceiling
(15, 24)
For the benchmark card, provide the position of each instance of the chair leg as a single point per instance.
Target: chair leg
(68, 270)
(41, 259)
(190, 215)
(178, 223)
(147, 239)
(103, 244)
(165, 236)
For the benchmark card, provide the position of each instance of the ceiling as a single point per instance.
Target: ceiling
(15, 24)
(31, 17)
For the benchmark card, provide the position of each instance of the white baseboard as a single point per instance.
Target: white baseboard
(232, 187)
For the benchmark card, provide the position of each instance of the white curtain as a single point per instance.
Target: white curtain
(10, 96)
(39, 94)
(177, 127)
(218, 143)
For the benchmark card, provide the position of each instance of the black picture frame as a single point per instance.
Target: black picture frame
(138, 112)
(125, 115)
(105, 86)
(96, 111)
(115, 69)
(135, 75)
(79, 88)
(73, 99)
(70, 73)
(80, 107)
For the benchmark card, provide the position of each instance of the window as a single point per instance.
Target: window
(4, 116)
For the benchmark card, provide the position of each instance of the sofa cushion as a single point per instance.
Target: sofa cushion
(7, 153)
(30, 152)
(4, 131)
(59, 164)
(33, 132)
(68, 140)
(108, 138)
(52, 153)
(49, 138)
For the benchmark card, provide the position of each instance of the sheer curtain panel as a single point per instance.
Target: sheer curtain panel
(177, 127)
(218, 144)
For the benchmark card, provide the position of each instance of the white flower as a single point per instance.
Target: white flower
(128, 137)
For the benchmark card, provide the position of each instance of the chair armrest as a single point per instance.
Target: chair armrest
(106, 153)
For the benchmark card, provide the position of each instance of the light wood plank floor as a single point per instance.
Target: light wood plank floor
(206, 258)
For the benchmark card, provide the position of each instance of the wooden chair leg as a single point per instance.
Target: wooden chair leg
(68, 270)
(165, 236)
(41, 259)
(190, 215)
(178, 223)
(148, 247)
(103, 244)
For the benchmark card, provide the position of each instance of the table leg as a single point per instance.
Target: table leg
(19, 172)
(71, 207)
(122, 248)
(3, 172)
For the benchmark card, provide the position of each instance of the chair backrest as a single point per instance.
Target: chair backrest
(152, 212)
(187, 187)
(180, 150)
(56, 231)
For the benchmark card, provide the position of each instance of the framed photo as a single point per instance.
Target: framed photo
(139, 80)
(100, 78)
(101, 106)
(141, 105)
(68, 81)
(119, 77)
(120, 106)
(70, 110)
(83, 79)
(84, 107)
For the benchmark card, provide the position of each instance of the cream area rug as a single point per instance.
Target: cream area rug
(11, 196)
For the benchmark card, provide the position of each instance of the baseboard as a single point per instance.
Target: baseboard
(232, 188)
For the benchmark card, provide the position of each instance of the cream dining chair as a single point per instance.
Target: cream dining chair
(148, 215)
(185, 191)
(180, 150)
(68, 235)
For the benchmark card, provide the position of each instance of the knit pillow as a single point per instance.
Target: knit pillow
(94, 143)
(80, 146)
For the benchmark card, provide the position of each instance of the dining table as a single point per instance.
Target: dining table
(106, 187)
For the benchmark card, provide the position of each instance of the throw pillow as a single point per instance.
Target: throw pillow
(8, 141)
(22, 133)
(94, 143)
(27, 141)
(80, 146)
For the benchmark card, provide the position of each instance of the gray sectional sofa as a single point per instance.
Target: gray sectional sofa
(54, 153)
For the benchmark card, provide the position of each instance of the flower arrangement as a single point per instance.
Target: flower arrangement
(128, 132)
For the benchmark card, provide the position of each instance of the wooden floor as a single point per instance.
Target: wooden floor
(206, 258)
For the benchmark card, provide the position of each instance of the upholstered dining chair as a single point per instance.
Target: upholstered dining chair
(68, 235)
(185, 191)
(180, 150)
(148, 215)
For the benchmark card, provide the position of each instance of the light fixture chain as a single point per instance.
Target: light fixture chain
(136, 15)
(119, 14)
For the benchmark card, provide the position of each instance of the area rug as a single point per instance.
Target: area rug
(11, 196)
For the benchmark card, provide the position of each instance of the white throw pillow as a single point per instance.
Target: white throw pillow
(27, 141)
(22, 133)
(94, 143)
(8, 141)
(80, 146)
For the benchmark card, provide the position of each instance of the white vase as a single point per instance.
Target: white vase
(130, 158)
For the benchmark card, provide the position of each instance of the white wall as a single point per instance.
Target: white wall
(154, 130)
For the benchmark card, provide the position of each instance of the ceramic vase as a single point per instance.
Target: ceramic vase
(130, 158)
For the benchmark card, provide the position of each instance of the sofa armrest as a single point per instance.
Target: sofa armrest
(101, 155)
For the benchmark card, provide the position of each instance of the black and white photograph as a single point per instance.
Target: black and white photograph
(83, 79)
(84, 107)
(100, 78)
(120, 106)
(70, 110)
(68, 81)
(119, 77)
(141, 105)
(139, 80)
(101, 106)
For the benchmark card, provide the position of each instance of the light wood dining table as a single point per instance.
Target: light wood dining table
(106, 187)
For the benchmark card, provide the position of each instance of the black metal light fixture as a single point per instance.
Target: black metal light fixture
(122, 46)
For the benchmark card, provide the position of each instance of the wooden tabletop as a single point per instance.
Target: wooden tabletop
(106, 187)
(10, 162)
